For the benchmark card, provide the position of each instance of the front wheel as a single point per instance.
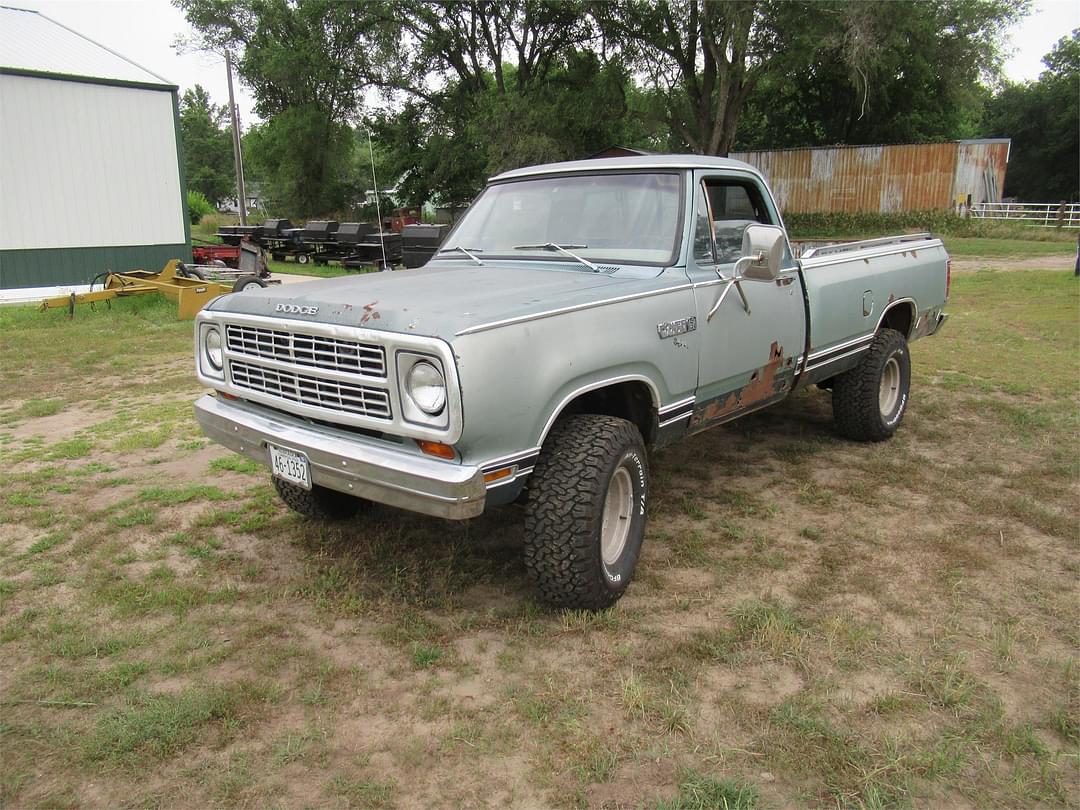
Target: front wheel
(302, 258)
(870, 400)
(585, 511)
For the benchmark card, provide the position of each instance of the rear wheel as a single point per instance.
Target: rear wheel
(585, 511)
(318, 503)
(302, 258)
(870, 400)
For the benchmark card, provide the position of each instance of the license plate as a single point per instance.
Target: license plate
(290, 466)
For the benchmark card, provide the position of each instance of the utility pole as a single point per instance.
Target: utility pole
(238, 159)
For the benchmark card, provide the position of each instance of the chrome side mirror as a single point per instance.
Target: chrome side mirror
(763, 248)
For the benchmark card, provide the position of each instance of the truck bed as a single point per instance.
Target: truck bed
(851, 285)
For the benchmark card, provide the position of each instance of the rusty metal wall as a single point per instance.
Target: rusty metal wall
(899, 177)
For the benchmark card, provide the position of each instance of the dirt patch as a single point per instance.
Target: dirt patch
(975, 265)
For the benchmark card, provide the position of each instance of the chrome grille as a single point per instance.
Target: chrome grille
(342, 397)
(314, 351)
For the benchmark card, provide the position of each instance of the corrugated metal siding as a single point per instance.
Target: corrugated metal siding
(32, 41)
(45, 268)
(980, 171)
(899, 177)
(85, 165)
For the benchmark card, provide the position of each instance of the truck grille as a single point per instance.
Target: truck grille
(332, 395)
(314, 351)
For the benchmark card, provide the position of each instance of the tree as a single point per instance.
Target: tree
(895, 72)
(208, 157)
(307, 64)
(812, 72)
(1041, 118)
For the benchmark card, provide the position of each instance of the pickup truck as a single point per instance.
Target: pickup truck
(579, 314)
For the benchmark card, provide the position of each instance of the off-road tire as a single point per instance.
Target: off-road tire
(318, 503)
(564, 511)
(244, 282)
(857, 394)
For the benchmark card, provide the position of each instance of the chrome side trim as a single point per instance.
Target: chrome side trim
(505, 461)
(536, 316)
(354, 465)
(676, 406)
(869, 336)
(675, 419)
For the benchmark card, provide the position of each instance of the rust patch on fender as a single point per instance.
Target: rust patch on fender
(763, 385)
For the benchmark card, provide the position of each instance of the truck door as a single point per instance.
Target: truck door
(750, 345)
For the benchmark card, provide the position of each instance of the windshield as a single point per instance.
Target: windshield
(628, 218)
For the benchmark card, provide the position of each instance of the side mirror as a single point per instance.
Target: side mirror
(763, 248)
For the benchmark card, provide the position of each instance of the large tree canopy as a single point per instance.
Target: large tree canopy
(1042, 120)
(457, 89)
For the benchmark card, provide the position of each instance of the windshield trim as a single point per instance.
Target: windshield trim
(680, 222)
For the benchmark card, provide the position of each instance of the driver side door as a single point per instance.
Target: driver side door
(749, 347)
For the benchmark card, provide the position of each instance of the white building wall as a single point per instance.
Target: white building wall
(87, 165)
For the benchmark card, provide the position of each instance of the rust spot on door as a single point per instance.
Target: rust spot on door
(763, 385)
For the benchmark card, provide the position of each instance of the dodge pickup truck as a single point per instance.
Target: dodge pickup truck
(578, 315)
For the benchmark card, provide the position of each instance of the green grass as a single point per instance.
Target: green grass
(310, 269)
(148, 728)
(699, 792)
(981, 247)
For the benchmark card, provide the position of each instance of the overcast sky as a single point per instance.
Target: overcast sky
(145, 32)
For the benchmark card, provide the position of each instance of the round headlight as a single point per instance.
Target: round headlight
(212, 344)
(426, 387)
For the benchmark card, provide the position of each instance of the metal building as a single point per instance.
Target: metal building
(899, 177)
(90, 171)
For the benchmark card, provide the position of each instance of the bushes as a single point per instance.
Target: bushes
(198, 206)
(940, 223)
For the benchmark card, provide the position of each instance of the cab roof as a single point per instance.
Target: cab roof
(634, 162)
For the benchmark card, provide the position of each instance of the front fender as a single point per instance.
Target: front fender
(517, 378)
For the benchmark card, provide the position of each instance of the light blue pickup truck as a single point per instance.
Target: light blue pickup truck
(579, 314)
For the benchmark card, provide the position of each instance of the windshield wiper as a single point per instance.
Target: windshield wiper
(467, 251)
(562, 249)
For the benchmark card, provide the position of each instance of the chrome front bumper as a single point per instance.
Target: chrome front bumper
(354, 466)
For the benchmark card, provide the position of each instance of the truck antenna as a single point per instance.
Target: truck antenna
(378, 209)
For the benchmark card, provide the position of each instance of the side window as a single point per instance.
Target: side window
(734, 205)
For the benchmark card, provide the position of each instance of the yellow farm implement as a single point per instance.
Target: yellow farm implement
(190, 292)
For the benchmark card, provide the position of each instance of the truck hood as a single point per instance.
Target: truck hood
(438, 302)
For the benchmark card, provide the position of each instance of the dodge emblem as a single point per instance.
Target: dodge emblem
(296, 309)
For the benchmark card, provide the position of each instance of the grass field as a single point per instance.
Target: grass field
(814, 622)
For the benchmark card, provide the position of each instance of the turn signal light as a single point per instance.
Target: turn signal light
(498, 475)
(228, 396)
(437, 449)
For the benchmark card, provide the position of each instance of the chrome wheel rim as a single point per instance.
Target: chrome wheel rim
(889, 392)
(618, 510)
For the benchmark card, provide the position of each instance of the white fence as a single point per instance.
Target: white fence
(1045, 215)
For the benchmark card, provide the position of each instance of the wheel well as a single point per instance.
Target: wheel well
(900, 316)
(627, 400)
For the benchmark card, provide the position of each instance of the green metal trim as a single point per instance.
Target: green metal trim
(67, 77)
(48, 267)
(183, 175)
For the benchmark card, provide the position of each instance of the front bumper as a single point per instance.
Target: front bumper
(354, 466)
